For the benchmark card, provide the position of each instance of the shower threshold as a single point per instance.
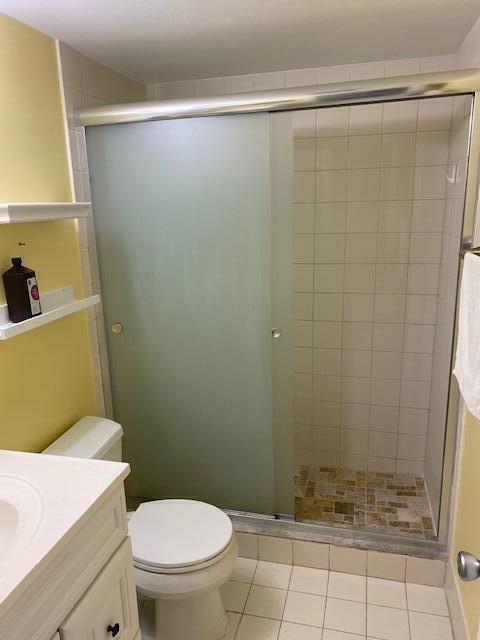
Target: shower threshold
(286, 526)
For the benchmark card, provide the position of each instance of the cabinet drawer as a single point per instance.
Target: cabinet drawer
(109, 601)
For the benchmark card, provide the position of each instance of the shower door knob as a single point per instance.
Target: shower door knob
(276, 332)
(468, 566)
(117, 328)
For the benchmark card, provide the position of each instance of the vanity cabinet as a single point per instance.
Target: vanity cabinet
(85, 586)
(109, 607)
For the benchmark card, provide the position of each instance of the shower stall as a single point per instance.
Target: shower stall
(280, 271)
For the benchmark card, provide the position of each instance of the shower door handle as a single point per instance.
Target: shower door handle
(276, 332)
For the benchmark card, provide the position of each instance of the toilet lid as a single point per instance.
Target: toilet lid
(178, 533)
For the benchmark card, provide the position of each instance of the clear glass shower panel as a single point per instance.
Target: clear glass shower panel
(183, 224)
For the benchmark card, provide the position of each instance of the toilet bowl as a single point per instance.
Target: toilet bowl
(183, 551)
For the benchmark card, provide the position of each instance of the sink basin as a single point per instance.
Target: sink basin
(21, 510)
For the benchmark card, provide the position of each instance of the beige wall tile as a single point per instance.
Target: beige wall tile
(238, 84)
(268, 81)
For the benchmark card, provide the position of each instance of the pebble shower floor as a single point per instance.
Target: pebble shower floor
(387, 502)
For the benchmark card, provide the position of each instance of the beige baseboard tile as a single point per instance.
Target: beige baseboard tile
(389, 566)
(425, 571)
(348, 560)
(275, 549)
(315, 555)
(247, 545)
(457, 617)
(319, 555)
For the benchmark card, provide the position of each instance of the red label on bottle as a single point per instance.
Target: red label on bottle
(34, 296)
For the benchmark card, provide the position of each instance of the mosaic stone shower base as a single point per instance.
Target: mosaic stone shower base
(388, 502)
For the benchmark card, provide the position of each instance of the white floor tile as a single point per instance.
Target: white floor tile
(387, 623)
(424, 626)
(233, 620)
(272, 574)
(343, 615)
(330, 634)
(244, 570)
(253, 628)
(304, 608)
(286, 603)
(388, 593)
(292, 631)
(347, 586)
(266, 602)
(234, 595)
(146, 614)
(306, 580)
(427, 599)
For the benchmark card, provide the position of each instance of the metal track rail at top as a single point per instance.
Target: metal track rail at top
(419, 86)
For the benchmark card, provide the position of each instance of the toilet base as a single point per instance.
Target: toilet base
(200, 617)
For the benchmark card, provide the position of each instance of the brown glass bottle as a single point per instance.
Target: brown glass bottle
(21, 291)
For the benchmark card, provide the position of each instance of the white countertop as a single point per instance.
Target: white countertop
(69, 490)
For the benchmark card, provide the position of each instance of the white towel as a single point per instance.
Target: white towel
(467, 360)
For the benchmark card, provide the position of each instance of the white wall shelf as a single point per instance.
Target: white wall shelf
(42, 211)
(56, 304)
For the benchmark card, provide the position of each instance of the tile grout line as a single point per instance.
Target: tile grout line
(246, 600)
(286, 598)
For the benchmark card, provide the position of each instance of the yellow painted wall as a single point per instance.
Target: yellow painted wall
(466, 534)
(45, 375)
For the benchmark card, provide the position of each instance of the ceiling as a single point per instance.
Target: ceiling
(153, 40)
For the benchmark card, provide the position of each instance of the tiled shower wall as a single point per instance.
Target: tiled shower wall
(297, 77)
(370, 186)
(86, 83)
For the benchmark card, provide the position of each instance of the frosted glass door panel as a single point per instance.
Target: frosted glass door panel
(183, 233)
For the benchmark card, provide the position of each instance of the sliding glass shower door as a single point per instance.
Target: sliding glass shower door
(183, 220)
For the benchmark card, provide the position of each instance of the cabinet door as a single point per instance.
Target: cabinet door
(109, 607)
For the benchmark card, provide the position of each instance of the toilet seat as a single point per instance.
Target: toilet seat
(178, 536)
(187, 569)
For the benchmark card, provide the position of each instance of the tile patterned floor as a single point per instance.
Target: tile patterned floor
(395, 503)
(271, 601)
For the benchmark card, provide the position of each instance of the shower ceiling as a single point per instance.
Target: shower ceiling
(153, 40)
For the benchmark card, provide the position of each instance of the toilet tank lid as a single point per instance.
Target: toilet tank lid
(91, 437)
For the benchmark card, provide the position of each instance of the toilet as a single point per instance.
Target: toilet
(183, 550)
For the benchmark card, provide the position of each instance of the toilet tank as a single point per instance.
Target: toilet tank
(90, 437)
